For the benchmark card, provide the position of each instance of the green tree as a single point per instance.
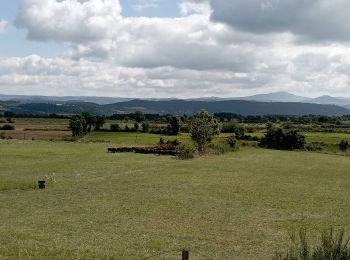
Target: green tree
(136, 127)
(174, 125)
(114, 128)
(145, 127)
(90, 122)
(202, 128)
(283, 139)
(139, 116)
(100, 121)
(76, 125)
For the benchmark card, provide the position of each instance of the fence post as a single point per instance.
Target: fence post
(185, 254)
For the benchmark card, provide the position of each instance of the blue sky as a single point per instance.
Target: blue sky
(14, 42)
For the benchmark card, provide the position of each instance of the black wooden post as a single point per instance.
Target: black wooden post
(41, 184)
(185, 254)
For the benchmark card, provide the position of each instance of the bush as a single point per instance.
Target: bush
(10, 120)
(185, 151)
(219, 148)
(2, 136)
(136, 127)
(343, 145)
(283, 139)
(145, 127)
(232, 142)
(114, 128)
(161, 141)
(229, 127)
(7, 127)
(314, 147)
(333, 246)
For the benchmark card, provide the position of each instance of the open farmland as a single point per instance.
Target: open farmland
(39, 129)
(130, 206)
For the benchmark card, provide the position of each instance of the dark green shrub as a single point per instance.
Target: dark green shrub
(219, 148)
(229, 127)
(114, 128)
(283, 139)
(161, 141)
(314, 147)
(185, 151)
(2, 135)
(145, 127)
(232, 142)
(100, 121)
(333, 246)
(7, 127)
(343, 145)
(136, 127)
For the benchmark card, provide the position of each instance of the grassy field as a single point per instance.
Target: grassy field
(131, 206)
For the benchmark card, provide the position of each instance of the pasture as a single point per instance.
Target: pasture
(131, 206)
(39, 129)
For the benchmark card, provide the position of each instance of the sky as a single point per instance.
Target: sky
(174, 48)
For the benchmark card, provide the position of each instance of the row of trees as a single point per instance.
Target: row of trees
(203, 127)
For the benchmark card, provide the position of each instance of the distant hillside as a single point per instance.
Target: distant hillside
(275, 97)
(232, 106)
(328, 100)
(48, 99)
(178, 107)
(269, 97)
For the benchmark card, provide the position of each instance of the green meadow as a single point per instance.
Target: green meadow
(97, 205)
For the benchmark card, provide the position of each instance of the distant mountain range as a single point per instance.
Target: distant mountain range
(48, 99)
(262, 104)
(270, 97)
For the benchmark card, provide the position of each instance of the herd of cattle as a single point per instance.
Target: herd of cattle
(160, 150)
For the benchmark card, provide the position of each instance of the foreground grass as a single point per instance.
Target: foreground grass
(130, 206)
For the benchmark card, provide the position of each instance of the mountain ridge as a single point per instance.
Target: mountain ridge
(281, 96)
(176, 107)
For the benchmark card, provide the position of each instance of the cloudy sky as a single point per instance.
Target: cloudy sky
(174, 48)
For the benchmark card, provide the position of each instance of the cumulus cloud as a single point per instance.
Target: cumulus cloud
(68, 20)
(319, 71)
(211, 49)
(314, 20)
(3, 25)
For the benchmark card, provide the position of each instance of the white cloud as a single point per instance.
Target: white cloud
(69, 20)
(3, 25)
(187, 56)
(194, 6)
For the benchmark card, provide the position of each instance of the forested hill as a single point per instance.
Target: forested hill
(231, 106)
(178, 107)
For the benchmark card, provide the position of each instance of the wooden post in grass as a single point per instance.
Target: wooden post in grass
(185, 254)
